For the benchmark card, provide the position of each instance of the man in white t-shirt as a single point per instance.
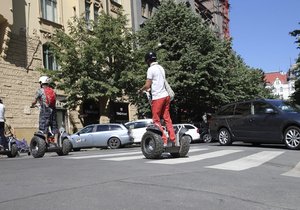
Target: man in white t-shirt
(160, 104)
(3, 142)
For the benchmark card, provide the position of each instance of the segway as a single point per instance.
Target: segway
(39, 144)
(153, 146)
(12, 150)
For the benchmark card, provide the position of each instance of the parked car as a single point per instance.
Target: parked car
(258, 121)
(193, 131)
(138, 128)
(111, 135)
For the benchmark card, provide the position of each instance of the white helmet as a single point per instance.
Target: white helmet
(44, 80)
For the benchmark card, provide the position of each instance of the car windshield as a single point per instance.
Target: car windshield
(287, 106)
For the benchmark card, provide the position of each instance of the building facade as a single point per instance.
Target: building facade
(281, 84)
(215, 13)
(26, 28)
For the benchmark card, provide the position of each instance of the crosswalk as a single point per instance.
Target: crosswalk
(243, 162)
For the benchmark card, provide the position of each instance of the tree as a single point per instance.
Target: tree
(202, 69)
(93, 58)
(296, 95)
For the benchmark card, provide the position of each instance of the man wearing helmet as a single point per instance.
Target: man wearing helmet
(46, 97)
(160, 104)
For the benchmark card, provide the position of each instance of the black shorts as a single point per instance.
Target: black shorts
(48, 118)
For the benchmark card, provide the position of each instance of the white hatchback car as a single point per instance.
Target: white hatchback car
(138, 128)
(193, 131)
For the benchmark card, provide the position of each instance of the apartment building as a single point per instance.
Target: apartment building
(26, 28)
(282, 84)
(214, 13)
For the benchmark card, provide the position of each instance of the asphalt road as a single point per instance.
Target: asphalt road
(211, 177)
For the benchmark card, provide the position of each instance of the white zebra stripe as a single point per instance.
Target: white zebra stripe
(247, 162)
(195, 158)
(295, 172)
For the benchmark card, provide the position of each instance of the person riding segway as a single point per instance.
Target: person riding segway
(155, 141)
(7, 146)
(47, 140)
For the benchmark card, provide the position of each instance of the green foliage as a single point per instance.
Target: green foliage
(296, 95)
(202, 69)
(93, 62)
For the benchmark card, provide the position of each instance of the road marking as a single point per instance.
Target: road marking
(195, 157)
(107, 155)
(124, 158)
(295, 172)
(120, 154)
(141, 156)
(247, 162)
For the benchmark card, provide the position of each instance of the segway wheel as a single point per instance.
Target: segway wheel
(66, 147)
(184, 147)
(37, 147)
(13, 152)
(152, 145)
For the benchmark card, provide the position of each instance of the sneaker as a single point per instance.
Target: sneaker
(165, 144)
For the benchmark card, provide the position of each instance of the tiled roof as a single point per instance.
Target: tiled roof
(271, 77)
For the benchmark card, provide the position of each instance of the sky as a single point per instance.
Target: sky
(260, 32)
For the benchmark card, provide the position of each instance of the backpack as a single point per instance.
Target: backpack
(50, 97)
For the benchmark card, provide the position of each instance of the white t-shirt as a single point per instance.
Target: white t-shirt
(2, 111)
(156, 73)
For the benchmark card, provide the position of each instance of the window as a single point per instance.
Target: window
(87, 13)
(96, 12)
(48, 58)
(228, 110)
(49, 10)
(103, 128)
(141, 125)
(115, 127)
(189, 127)
(260, 108)
(243, 109)
(88, 129)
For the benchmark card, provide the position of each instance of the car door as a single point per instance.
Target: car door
(102, 135)
(265, 125)
(84, 137)
(239, 123)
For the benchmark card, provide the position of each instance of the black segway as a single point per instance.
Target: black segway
(39, 144)
(12, 150)
(153, 146)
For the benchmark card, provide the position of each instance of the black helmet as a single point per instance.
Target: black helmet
(150, 56)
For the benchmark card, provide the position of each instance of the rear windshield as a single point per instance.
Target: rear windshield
(286, 106)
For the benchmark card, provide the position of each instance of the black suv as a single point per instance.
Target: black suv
(258, 121)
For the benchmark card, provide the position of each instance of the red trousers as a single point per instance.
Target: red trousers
(160, 109)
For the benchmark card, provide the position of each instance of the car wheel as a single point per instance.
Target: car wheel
(292, 137)
(224, 137)
(207, 138)
(114, 143)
